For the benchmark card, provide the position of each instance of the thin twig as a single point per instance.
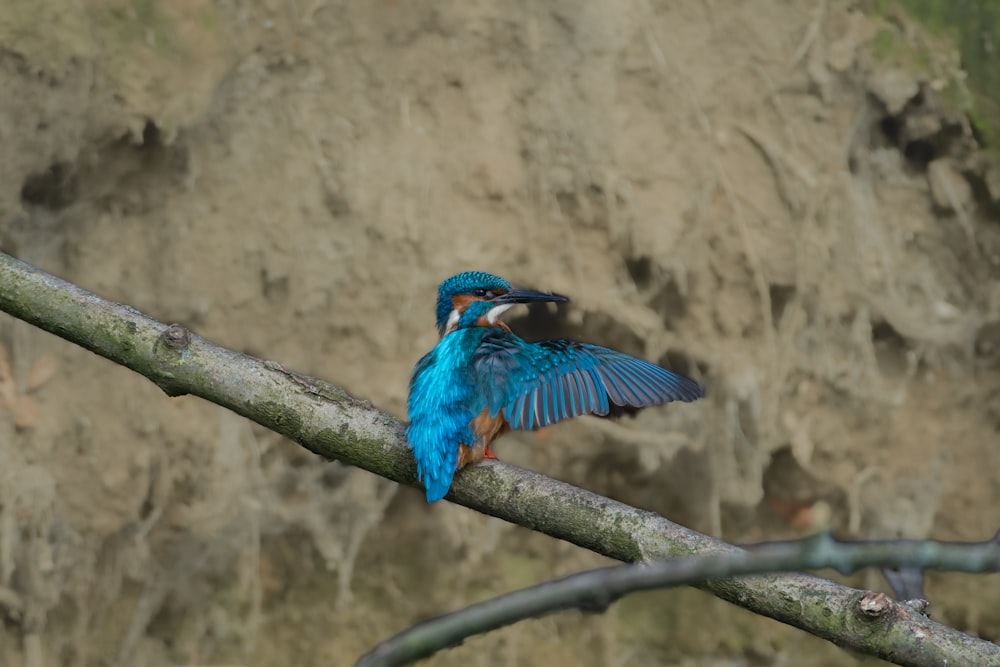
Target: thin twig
(596, 589)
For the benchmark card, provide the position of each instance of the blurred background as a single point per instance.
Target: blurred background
(795, 202)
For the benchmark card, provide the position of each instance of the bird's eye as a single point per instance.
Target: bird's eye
(480, 292)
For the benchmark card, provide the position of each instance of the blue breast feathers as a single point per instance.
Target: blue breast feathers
(444, 399)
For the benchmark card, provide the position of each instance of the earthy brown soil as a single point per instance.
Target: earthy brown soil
(750, 192)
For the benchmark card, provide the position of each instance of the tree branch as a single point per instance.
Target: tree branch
(595, 590)
(329, 422)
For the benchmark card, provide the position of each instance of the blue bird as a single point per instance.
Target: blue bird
(482, 380)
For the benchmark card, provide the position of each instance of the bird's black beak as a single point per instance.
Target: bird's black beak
(527, 296)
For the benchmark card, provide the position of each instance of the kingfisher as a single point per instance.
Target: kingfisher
(482, 380)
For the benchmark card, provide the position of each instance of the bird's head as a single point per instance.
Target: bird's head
(475, 298)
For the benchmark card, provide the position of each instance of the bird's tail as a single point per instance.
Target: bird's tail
(435, 458)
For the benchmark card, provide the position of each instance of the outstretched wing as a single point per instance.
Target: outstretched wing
(537, 384)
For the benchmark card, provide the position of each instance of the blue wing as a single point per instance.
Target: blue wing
(537, 384)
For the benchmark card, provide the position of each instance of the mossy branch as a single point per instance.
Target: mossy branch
(329, 422)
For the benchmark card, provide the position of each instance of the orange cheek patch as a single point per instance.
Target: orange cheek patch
(460, 302)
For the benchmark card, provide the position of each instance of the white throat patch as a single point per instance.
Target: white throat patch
(494, 313)
(452, 321)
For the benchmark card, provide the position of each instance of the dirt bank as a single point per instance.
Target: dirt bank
(769, 196)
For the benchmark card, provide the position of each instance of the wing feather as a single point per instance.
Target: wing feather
(555, 388)
(571, 390)
(545, 389)
(535, 418)
(537, 384)
(616, 392)
(597, 396)
(636, 377)
(517, 407)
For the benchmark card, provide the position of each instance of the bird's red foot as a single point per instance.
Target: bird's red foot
(488, 454)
